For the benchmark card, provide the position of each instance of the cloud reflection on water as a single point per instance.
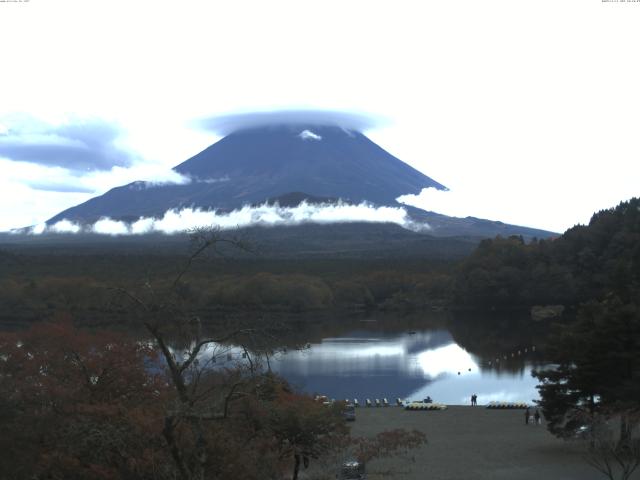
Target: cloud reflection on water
(366, 364)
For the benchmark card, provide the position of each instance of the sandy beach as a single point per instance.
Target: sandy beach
(476, 443)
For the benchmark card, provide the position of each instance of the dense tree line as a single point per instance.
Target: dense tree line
(592, 391)
(26, 296)
(593, 385)
(585, 263)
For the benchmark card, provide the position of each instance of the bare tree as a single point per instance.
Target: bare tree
(191, 367)
(616, 456)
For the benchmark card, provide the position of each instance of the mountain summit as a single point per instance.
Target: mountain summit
(252, 165)
(286, 163)
(324, 161)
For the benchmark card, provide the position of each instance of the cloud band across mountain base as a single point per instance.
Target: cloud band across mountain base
(177, 221)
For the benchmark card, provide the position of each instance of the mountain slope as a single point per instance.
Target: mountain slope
(250, 166)
(287, 164)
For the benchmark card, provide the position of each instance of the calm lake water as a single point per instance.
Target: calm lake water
(411, 365)
(392, 359)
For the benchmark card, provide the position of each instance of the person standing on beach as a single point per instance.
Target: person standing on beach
(527, 412)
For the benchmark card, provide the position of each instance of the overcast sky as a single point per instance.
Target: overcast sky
(527, 110)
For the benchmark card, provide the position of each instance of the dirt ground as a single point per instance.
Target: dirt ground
(475, 443)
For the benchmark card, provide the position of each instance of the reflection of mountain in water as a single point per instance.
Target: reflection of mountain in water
(359, 364)
(385, 362)
(499, 336)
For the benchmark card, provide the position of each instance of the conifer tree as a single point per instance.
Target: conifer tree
(597, 367)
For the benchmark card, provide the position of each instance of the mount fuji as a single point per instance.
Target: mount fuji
(287, 164)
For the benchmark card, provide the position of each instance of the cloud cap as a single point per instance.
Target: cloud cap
(233, 122)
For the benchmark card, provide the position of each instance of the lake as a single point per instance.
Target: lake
(409, 358)
(366, 363)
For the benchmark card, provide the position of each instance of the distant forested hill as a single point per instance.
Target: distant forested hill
(587, 262)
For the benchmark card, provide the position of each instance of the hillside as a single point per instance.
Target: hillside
(587, 262)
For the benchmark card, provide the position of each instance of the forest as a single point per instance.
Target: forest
(587, 262)
(502, 273)
(80, 402)
(36, 286)
(594, 348)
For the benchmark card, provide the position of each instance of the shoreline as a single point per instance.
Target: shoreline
(466, 442)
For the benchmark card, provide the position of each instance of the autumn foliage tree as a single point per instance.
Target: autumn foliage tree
(78, 405)
(81, 405)
(304, 428)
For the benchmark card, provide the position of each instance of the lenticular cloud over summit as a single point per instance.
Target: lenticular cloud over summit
(227, 124)
(176, 221)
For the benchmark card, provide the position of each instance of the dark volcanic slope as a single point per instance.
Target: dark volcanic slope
(250, 166)
(268, 162)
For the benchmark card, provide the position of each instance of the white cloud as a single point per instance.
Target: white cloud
(308, 134)
(32, 193)
(63, 226)
(507, 205)
(142, 225)
(174, 221)
(37, 229)
(448, 202)
(106, 226)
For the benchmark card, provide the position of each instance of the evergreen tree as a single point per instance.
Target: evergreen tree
(586, 263)
(597, 367)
